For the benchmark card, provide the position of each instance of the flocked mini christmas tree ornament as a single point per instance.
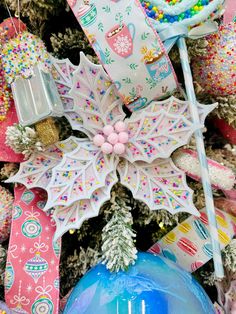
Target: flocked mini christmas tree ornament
(123, 38)
(78, 182)
(152, 285)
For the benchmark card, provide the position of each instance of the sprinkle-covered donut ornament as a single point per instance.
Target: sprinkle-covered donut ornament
(222, 177)
(181, 12)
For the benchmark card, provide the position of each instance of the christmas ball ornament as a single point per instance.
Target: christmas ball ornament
(36, 267)
(215, 71)
(152, 285)
(6, 207)
(226, 130)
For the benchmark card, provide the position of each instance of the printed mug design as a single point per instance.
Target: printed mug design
(120, 39)
(87, 15)
(158, 68)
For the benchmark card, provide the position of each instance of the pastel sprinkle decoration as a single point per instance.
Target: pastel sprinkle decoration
(185, 12)
(21, 53)
(174, 30)
(80, 180)
(5, 95)
(216, 72)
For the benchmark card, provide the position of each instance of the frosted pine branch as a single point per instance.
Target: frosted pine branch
(23, 140)
(118, 248)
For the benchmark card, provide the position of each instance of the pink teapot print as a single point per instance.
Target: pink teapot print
(120, 39)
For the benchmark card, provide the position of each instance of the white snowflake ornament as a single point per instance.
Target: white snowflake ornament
(81, 177)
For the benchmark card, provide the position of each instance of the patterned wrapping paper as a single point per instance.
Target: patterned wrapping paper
(32, 269)
(129, 49)
(189, 243)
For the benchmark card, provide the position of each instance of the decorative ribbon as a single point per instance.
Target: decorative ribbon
(129, 49)
(170, 34)
(230, 11)
(189, 243)
(32, 270)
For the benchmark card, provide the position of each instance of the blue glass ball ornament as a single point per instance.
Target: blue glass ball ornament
(154, 285)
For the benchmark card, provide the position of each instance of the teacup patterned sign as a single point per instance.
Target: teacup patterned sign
(129, 49)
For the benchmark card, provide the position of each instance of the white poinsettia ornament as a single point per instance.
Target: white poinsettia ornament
(78, 174)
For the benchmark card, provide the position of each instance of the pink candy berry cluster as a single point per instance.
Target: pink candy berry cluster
(113, 139)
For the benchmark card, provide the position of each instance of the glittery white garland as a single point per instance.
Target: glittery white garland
(221, 177)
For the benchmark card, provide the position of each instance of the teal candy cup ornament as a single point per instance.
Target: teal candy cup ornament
(174, 20)
(153, 285)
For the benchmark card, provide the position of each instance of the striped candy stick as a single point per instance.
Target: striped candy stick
(219, 271)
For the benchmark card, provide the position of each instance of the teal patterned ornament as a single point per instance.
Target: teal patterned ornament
(57, 247)
(43, 306)
(17, 212)
(36, 267)
(9, 276)
(31, 229)
(27, 197)
(57, 283)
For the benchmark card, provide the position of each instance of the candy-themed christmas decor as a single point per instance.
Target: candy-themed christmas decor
(15, 56)
(221, 177)
(181, 12)
(151, 133)
(6, 208)
(174, 30)
(189, 243)
(215, 72)
(31, 106)
(31, 278)
(123, 38)
(102, 147)
(152, 285)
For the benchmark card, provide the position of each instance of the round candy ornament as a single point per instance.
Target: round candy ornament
(181, 13)
(154, 285)
(216, 71)
(6, 207)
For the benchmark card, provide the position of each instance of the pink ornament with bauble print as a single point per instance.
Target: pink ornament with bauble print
(120, 38)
